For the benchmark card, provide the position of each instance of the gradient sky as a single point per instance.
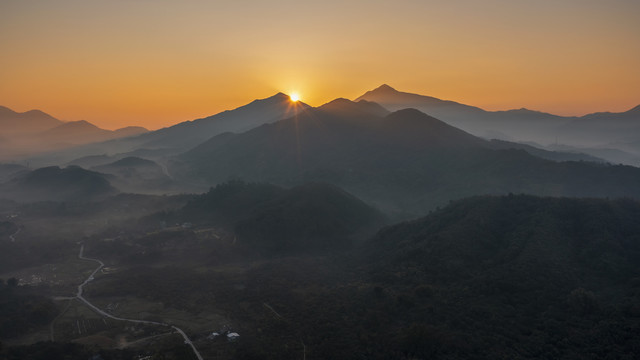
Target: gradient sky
(158, 62)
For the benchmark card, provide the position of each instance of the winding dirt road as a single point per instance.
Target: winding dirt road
(105, 314)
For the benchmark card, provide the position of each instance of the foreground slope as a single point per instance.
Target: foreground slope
(517, 276)
(485, 278)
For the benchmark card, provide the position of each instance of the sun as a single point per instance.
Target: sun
(294, 97)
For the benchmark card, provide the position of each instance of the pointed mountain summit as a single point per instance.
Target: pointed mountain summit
(382, 90)
(393, 100)
(459, 115)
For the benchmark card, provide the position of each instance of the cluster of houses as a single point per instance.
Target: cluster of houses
(224, 332)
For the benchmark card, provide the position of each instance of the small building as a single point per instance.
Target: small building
(232, 336)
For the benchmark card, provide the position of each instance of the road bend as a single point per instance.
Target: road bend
(105, 314)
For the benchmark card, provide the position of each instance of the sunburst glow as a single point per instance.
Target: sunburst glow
(294, 97)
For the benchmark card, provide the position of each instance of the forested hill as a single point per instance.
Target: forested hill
(306, 217)
(513, 277)
(562, 234)
(517, 276)
(55, 184)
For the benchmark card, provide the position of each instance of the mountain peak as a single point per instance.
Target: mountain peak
(280, 97)
(384, 88)
(36, 112)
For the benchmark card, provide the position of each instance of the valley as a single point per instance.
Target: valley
(500, 270)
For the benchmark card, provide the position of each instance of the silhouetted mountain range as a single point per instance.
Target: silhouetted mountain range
(33, 121)
(522, 125)
(294, 261)
(79, 132)
(186, 135)
(406, 160)
(34, 132)
(402, 161)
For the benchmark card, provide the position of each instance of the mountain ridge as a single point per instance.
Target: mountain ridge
(32, 121)
(523, 125)
(185, 135)
(404, 160)
(34, 132)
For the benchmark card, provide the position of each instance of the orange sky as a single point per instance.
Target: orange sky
(158, 62)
